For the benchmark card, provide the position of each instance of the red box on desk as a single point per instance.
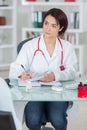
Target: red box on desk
(82, 91)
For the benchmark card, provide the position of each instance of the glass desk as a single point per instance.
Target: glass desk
(45, 93)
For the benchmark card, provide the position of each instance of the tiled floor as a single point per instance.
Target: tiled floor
(79, 120)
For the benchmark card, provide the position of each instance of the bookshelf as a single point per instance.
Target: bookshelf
(7, 33)
(76, 12)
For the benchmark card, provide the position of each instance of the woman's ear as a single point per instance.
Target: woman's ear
(61, 29)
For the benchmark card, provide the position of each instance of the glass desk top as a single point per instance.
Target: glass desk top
(43, 94)
(46, 93)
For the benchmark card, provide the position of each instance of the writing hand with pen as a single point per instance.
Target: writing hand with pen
(46, 77)
(25, 75)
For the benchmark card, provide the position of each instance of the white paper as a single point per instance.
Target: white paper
(53, 83)
(35, 83)
(38, 83)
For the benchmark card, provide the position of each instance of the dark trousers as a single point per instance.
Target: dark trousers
(55, 111)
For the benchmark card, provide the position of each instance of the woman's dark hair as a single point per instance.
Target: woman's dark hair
(60, 17)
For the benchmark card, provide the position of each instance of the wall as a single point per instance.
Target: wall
(22, 19)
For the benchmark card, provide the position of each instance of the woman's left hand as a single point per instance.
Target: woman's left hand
(48, 77)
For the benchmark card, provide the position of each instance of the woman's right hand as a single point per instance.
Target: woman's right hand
(25, 75)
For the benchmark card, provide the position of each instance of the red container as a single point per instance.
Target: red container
(82, 91)
(69, 0)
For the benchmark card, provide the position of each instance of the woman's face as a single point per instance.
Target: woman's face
(51, 27)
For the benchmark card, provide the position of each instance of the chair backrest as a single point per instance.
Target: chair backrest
(21, 44)
(6, 121)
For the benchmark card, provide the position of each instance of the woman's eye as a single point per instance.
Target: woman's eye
(50, 25)
(54, 26)
(46, 23)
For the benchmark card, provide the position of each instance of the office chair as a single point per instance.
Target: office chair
(21, 44)
(6, 121)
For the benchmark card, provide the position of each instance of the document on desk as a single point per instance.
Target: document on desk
(35, 81)
(38, 83)
(53, 83)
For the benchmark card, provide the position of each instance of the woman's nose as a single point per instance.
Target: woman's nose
(48, 27)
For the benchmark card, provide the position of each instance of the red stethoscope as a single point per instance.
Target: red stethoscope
(39, 50)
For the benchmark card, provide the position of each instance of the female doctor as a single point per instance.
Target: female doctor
(54, 59)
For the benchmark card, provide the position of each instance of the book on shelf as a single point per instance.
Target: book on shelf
(71, 38)
(76, 25)
(74, 20)
(32, 34)
(37, 18)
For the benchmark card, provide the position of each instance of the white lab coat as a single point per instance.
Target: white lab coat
(6, 103)
(39, 64)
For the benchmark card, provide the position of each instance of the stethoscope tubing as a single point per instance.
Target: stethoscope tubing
(39, 50)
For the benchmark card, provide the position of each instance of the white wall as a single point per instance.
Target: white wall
(22, 19)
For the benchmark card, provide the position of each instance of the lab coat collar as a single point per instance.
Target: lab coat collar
(57, 47)
(56, 50)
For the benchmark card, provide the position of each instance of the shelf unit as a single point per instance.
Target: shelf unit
(79, 6)
(8, 32)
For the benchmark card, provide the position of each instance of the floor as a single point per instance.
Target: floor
(4, 73)
(78, 119)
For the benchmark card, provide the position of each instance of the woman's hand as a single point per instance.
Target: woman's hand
(48, 77)
(25, 75)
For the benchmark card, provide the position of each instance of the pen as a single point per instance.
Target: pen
(80, 79)
(23, 67)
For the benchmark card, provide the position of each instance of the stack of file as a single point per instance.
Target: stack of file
(37, 18)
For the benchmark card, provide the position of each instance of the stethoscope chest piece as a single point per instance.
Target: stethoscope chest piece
(62, 68)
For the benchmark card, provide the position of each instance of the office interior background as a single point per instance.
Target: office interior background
(17, 23)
